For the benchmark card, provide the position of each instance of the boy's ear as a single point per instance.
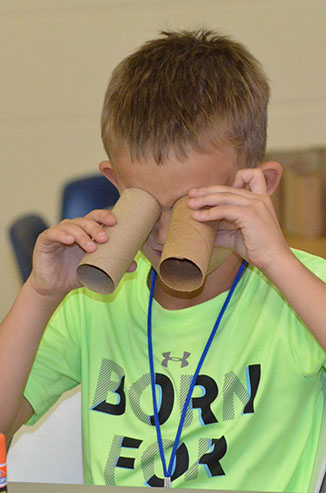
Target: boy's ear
(106, 169)
(273, 173)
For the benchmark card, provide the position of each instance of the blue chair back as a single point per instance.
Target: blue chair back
(86, 194)
(79, 197)
(23, 233)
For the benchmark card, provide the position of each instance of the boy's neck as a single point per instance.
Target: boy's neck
(216, 283)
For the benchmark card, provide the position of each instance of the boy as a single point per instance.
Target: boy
(183, 115)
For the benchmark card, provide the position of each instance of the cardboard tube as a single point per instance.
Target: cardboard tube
(137, 212)
(187, 251)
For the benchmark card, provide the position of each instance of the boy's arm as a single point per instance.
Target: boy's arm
(20, 334)
(257, 236)
(25, 412)
(57, 253)
(305, 292)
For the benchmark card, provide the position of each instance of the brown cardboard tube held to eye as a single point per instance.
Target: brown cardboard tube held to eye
(187, 251)
(137, 212)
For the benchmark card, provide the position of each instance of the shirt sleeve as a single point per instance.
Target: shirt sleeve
(306, 350)
(57, 366)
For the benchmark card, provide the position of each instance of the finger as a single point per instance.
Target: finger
(51, 238)
(54, 235)
(102, 216)
(195, 193)
(220, 198)
(253, 178)
(81, 236)
(230, 213)
(95, 230)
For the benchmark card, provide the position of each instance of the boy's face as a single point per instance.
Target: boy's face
(168, 183)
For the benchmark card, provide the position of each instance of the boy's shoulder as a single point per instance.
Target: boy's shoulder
(317, 265)
(314, 263)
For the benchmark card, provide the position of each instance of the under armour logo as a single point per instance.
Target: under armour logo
(183, 360)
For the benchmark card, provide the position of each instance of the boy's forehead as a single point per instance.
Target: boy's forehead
(174, 178)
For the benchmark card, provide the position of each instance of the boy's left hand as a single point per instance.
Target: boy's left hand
(249, 224)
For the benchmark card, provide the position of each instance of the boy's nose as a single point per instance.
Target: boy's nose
(162, 227)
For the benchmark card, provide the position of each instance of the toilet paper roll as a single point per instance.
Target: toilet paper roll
(137, 212)
(187, 251)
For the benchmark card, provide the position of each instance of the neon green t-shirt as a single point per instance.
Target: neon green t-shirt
(257, 407)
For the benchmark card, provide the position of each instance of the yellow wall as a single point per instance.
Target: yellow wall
(56, 57)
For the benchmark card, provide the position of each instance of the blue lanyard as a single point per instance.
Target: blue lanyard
(168, 471)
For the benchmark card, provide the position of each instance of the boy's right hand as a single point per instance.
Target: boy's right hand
(59, 249)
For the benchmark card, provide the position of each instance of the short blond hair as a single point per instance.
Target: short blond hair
(187, 90)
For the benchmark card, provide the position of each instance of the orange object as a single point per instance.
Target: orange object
(3, 463)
